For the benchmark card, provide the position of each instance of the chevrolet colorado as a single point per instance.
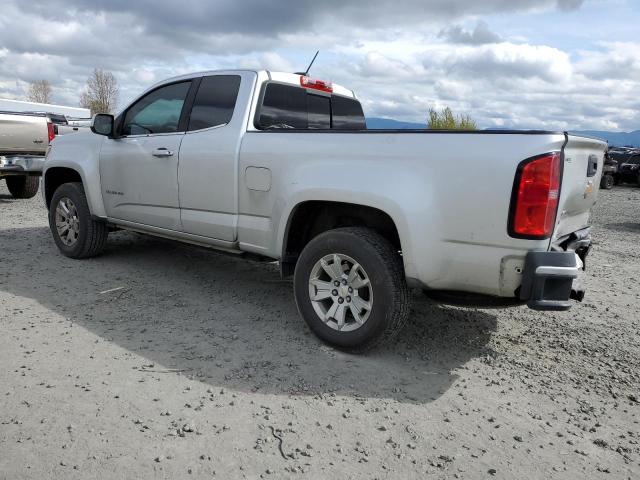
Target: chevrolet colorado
(281, 165)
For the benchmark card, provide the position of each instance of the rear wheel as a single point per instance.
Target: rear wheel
(350, 288)
(607, 182)
(23, 187)
(75, 232)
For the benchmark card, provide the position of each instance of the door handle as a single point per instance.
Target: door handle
(162, 152)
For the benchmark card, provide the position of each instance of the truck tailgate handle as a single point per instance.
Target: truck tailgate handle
(162, 152)
(592, 168)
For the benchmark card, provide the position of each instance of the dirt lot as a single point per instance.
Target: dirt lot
(159, 360)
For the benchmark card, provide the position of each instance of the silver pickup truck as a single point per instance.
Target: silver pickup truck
(281, 165)
(24, 140)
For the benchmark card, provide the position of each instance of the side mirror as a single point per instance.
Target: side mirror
(103, 124)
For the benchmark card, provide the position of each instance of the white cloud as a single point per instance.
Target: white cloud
(481, 34)
(509, 60)
(401, 58)
(616, 60)
(268, 60)
(377, 65)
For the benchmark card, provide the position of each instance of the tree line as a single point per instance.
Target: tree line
(101, 96)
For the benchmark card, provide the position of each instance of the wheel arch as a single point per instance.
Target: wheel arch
(57, 173)
(309, 218)
(56, 176)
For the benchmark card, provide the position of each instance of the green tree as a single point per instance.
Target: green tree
(446, 120)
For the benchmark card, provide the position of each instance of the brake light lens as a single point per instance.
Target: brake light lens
(315, 84)
(533, 213)
(51, 131)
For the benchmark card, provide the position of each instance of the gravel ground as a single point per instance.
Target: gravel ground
(160, 360)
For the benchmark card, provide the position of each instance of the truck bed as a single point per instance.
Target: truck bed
(448, 191)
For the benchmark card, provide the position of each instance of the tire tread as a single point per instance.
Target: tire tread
(398, 285)
(398, 313)
(97, 231)
(23, 187)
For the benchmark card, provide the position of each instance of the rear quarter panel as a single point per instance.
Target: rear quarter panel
(448, 194)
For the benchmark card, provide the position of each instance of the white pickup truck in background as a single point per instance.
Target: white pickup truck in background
(24, 140)
(281, 165)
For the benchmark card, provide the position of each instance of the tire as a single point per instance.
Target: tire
(23, 187)
(90, 235)
(386, 292)
(607, 182)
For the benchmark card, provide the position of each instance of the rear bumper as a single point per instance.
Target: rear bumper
(21, 165)
(552, 279)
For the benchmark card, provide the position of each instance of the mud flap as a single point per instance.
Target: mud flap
(548, 280)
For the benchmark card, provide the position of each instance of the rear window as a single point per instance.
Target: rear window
(284, 107)
(289, 107)
(347, 114)
(319, 111)
(214, 102)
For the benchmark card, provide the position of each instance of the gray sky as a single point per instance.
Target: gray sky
(568, 64)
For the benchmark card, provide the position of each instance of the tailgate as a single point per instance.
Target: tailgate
(582, 170)
(23, 134)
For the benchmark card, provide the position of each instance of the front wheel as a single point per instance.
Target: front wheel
(22, 186)
(350, 288)
(75, 232)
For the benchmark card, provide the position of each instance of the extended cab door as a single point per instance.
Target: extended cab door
(208, 167)
(139, 170)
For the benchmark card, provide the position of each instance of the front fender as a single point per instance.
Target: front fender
(81, 153)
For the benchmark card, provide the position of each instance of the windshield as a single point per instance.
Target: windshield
(58, 119)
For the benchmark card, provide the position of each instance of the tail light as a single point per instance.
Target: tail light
(51, 131)
(535, 197)
(316, 84)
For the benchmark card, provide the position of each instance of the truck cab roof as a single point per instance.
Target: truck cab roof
(288, 78)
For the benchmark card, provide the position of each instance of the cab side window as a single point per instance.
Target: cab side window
(214, 102)
(157, 112)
